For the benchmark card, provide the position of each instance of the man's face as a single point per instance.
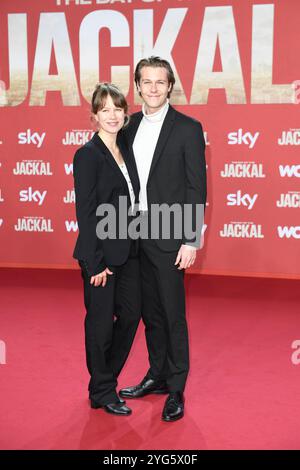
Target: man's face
(154, 87)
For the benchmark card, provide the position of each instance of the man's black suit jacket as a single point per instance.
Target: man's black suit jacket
(178, 169)
(97, 180)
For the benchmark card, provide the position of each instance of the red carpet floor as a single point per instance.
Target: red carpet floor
(242, 392)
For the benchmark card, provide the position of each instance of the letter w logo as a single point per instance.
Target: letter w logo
(289, 170)
(288, 232)
(69, 168)
(71, 225)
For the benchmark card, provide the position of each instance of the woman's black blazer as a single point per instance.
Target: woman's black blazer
(97, 180)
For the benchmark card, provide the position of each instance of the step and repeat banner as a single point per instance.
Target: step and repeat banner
(237, 67)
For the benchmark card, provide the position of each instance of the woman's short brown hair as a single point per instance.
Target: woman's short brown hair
(100, 94)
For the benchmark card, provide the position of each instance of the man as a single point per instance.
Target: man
(169, 152)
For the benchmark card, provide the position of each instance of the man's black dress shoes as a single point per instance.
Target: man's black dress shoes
(118, 408)
(146, 387)
(174, 407)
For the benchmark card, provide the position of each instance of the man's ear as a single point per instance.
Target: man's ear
(138, 89)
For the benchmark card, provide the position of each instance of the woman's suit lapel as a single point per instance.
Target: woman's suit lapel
(112, 162)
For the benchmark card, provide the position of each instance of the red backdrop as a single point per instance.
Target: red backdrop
(237, 65)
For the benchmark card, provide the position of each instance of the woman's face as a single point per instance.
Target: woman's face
(110, 118)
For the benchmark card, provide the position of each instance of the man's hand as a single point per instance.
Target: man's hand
(186, 256)
(100, 279)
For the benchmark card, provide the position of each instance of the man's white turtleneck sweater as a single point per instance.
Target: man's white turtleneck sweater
(144, 145)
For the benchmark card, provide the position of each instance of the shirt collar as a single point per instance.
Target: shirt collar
(158, 116)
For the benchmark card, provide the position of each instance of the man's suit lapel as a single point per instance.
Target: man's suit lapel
(163, 137)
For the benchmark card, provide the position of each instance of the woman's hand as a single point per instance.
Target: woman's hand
(100, 279)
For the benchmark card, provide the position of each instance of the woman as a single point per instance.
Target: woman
(104, 171)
